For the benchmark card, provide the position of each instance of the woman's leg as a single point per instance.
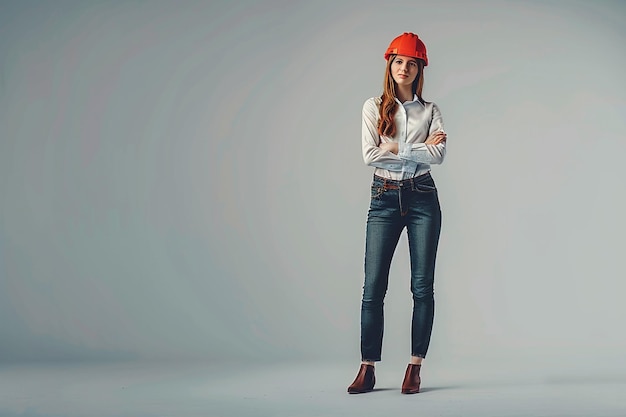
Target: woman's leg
(423, 228)
(384, 226)
(382, 235)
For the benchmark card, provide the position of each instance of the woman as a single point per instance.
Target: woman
(402, 135)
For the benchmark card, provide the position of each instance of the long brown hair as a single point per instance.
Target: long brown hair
(389, 105)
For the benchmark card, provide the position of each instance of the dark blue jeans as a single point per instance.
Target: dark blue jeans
(412, 204)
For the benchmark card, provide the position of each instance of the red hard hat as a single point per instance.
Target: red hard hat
(408, 44)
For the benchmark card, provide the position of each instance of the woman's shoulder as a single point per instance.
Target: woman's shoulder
(372, 102)
(372, 105)
(430, 104)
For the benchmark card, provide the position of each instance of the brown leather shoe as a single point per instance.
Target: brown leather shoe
(411, 383)
(364, 381)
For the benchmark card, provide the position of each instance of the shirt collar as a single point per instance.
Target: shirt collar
(415, 99)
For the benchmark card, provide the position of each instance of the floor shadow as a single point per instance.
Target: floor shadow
(383, 389)
(424, 389)
(429, 389)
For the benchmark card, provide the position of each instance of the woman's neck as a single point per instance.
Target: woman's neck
(404, 94)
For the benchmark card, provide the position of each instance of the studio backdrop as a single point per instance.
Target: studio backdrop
(185, 179)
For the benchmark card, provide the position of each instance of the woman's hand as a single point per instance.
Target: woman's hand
(389, 146)
(436, 138)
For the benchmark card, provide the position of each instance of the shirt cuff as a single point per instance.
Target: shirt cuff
(409, 166)
(404, 150)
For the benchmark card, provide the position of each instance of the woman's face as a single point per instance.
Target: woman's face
(404, 69)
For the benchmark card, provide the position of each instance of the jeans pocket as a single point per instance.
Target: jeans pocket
(425, 188)
(376, 192)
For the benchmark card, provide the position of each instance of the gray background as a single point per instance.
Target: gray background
(182, 189)
(184, 180)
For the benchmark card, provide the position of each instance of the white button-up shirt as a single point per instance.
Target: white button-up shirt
(415, 121)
